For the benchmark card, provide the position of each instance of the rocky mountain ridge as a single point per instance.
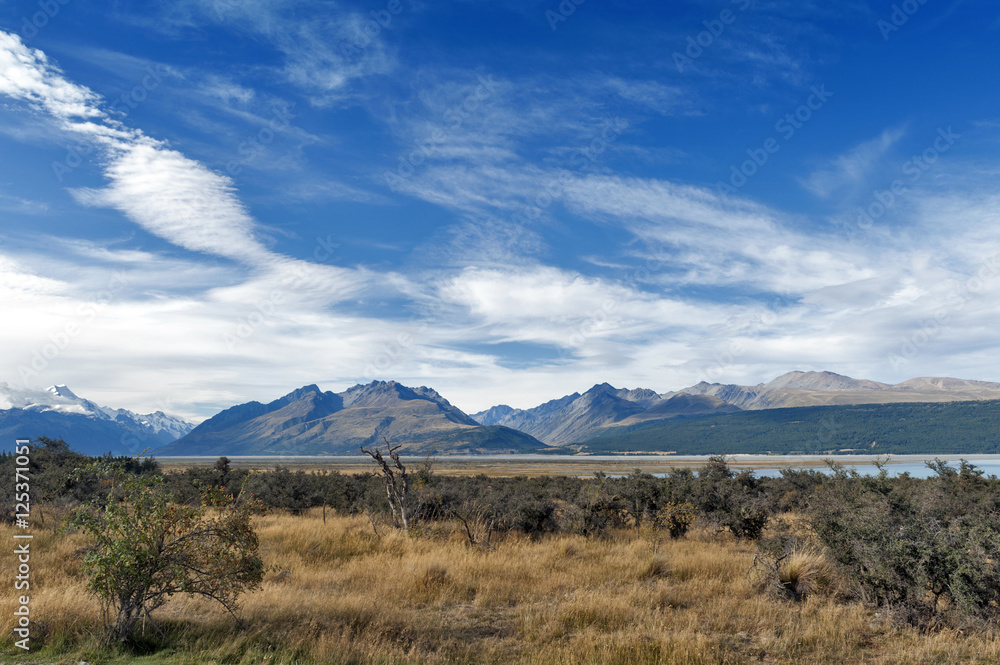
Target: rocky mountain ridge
(309, 421)
(575, 417)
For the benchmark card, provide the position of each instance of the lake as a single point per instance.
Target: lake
(587, 465)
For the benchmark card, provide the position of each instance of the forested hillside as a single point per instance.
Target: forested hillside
(957, 427)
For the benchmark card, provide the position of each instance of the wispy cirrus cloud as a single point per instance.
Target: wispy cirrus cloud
(160, 189)
(166, 193)
(325, 47)
(732, 242)
(853, 166)
(11, 203)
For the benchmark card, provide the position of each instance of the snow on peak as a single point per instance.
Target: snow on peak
(62, 390)
(60, 399)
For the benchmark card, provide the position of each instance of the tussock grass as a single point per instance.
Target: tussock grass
(337, 593)
(804, 572)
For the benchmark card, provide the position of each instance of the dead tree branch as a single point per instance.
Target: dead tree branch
(397, 482)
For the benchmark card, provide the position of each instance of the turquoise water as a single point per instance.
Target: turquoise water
(915, 469)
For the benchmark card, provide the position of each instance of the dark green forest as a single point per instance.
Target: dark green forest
(919, 428)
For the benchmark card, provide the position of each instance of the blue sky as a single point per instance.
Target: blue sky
(205, 202)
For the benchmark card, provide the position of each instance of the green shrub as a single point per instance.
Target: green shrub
(675, 518)
(928, 549)
(734, 501)
(146, 548)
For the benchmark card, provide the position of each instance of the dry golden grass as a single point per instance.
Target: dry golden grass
(338, 593)
(804, 572)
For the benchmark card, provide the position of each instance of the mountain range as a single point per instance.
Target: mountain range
(575, 418)
(309, 421)
(827, 389)
(91, 429)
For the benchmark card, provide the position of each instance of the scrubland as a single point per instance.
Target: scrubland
(338, 592)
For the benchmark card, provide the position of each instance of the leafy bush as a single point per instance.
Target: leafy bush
(734, 501)
(594, 509)
(928, 549)
(147, 548)
(639, 495)
(675, 518)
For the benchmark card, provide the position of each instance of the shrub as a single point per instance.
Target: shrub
(747, 521)
(639, 494)
(147, 548)
(734, 501)
(595, 508)
(676, 518)
(532, 516)
(929, 549)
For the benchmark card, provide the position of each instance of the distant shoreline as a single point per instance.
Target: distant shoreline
(538, 464)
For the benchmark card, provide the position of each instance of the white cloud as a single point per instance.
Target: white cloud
(163, 191)
(718, 241)
(108, 325)
(551, 306)
(853, 166)
(18, 283)
(663, 99)
(170, 195)
(325, 48)
(178, 199)
(9, 203)
(26, 74)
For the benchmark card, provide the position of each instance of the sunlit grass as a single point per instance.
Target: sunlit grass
(338, 593)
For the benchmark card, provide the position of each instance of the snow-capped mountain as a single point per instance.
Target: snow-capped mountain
(58, 412)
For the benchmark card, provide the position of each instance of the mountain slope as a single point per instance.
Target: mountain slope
(575, 417)
(309, 421)
(58, 412)
(680, 405)
(969, 427)
(827, 388)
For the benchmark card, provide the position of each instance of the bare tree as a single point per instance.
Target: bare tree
(397, 483)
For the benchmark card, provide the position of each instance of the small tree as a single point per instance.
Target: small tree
(148, 548)
(222, 468)
(397, 482)
(640, 494)
(676, 518)
(732, 500)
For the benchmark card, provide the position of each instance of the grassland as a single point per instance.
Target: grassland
(339, 593)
